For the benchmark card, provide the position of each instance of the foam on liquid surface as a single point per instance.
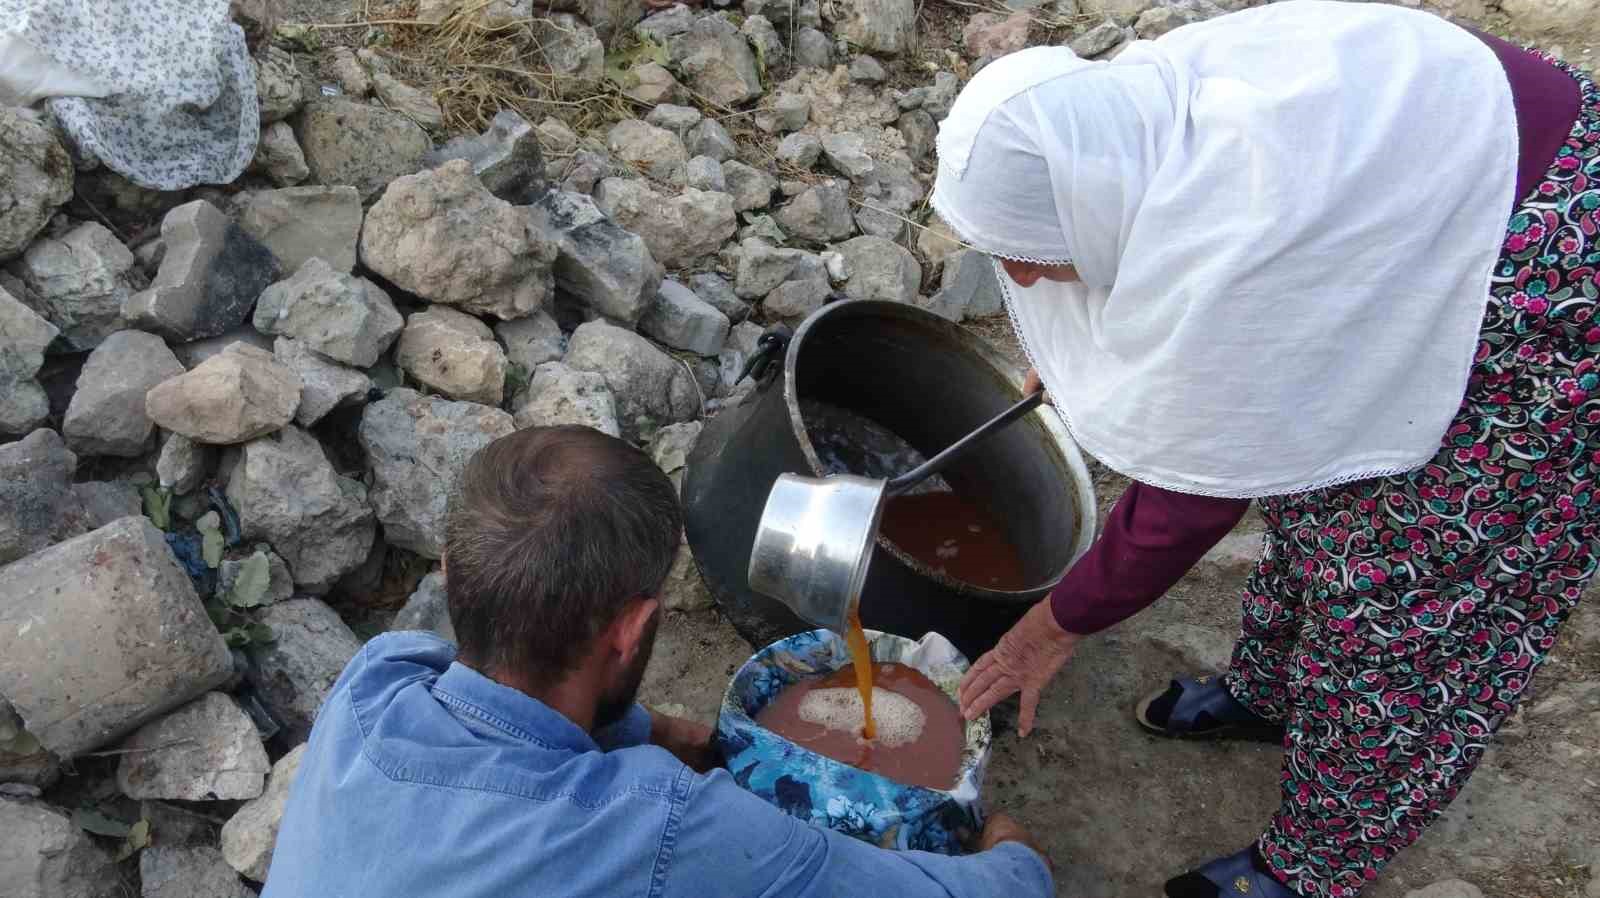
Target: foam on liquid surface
(899, 721)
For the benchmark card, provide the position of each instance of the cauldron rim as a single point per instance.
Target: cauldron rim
(1062, 440)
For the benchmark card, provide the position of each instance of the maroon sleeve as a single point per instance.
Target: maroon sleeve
(1150, 541)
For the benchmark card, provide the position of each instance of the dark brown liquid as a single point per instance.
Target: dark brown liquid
(931, 761)
(959, 538)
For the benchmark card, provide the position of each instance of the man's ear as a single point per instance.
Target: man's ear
(627, 632)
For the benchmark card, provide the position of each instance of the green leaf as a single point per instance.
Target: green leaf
(250, 585)
(218, 612)
(621, 61)
(138, 840)
(236, 637)
(516, 378)
(22, 743)
(157, 505)
(92, 820)
(210, 527)
(261, 634)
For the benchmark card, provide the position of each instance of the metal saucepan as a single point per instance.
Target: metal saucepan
(816, 533)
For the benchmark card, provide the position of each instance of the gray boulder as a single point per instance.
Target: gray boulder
(407, 100)
(278, 157)
(813, 48)
(880, 269)
(300, 223)
(651, 83)
(719, 293)
(442, 236)
(866, 69)
(601, 270)
(80, 282)
(278, 91)
(207, 750)
(666, 24)
(674, 118)
(24, 336)
(651, 388)
(105, 501)
(649, 149)
(888, 197)
(360, 145)
(559, 395)
(177, 871)
(969, 289)
(1172, 14)
(802, 294)
(847, 154)
(876, 26)
(181, 464)
(920, 131)
(348, 319)
(678, 230)
(709, 138)
(573, 51)
(293, 673)
(45, 855)
(427, 609)
(324, 385)
(820, 214)
(38, 507)
(132, 609)
(288, 494)
(107, 412)
(684, 590)
(532, 341)
(506, 158)
(682, 320)
(1124, 12)
(239, 394)
(787, 112)
(35, 178)
(705, 173)
(416, 447)
(751, 188)
(211, 275)
(1098, 39)
(248, 836)
(800, 150)
(717, 62)
(453, 353)
(741, 344)
(786, 15)
(193, 354)
(672, 444)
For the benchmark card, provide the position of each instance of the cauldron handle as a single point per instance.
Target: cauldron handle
(959, 448)
(770, 346)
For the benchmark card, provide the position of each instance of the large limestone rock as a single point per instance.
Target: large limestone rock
(107, 413)
(324, 385)
(887, 200)
(248, 836)
(750, 187)
(66, 668)
(441, 235)
(80, 282)
(820, 214)
(876, 26)
(453, 353)
(278, 156)
(969, 288)
(506, 157)
(211, 275)
(417, 446)
(717, 62)
(427, 609)
(204, 751)
(880, 269)
(298, 223)
(650, 150)
(38, 507)
(192, 871)
(346, 318)
(678, 229)
(181, 464)
(279, 93)
(45, 855)
(35, 178)
(532, 341)
(293, 673)
(601, 270)
(288, 494)
(651, 388)
(684, 590)
(24, 336)
(560, 395)
(360, 145)
(1172, 14)
(682, 320)
(236, 395)
(572, 50)
(409, 101)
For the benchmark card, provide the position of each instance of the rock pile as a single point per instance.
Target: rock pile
(227, 414)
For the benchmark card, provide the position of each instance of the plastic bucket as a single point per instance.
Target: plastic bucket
(830, 793)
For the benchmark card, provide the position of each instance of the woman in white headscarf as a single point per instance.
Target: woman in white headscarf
(1340, 260)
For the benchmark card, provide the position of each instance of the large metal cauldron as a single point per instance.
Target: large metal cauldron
(931, 382)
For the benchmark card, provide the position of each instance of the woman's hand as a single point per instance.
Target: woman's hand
(1027, 657)
(1031, 384)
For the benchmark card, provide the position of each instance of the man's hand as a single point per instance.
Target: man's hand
(1027, 657)
(1001, 828)
(690, 742)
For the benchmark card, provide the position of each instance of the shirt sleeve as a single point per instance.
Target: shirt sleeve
(731, 844)
(1151, 539)
(632, 730)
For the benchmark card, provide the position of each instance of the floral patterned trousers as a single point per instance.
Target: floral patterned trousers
(1393, 624)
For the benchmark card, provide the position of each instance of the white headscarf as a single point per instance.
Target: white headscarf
(1285, 220)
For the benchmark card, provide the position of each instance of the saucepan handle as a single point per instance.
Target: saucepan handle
(959, 448)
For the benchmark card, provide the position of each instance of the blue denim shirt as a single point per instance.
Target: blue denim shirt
(423, 777)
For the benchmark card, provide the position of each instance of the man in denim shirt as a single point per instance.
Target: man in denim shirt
(520, 764)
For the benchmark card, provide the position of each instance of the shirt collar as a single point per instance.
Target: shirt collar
(517, 714)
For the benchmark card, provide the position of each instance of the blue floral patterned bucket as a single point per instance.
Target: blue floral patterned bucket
(830, 793)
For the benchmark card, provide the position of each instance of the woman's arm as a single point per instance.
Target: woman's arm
(1151, 539)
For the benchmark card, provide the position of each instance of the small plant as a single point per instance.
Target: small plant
(517, 378)
(157, 505)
